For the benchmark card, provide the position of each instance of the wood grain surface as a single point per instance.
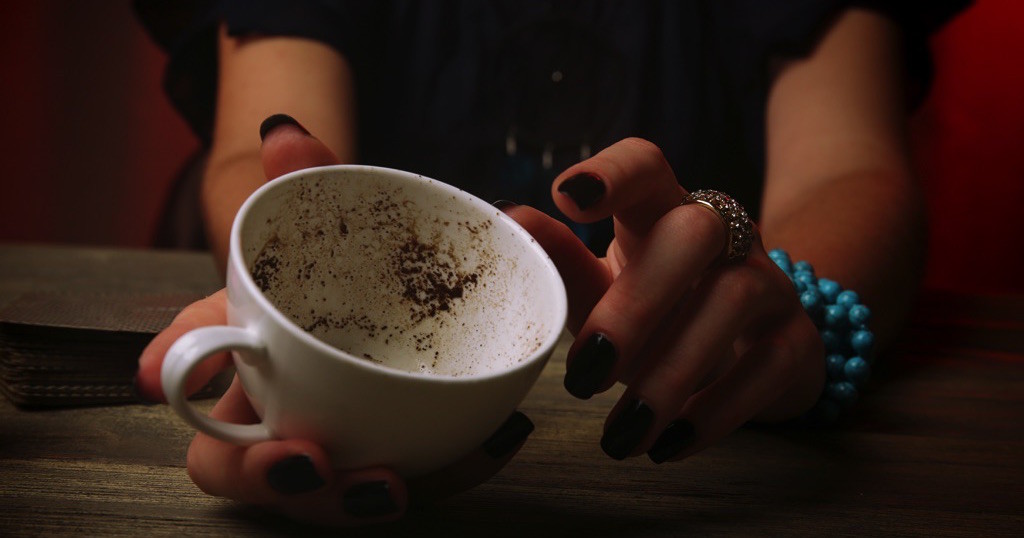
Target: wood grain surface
(935, 449)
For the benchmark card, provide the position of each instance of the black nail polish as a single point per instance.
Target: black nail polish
(584, 189)
(278, 119)
(371, 499)
(678, 436)
(504, 204)
(627, 430)
(514, 431)
(295, 474)
(142, 398)
(590, 367)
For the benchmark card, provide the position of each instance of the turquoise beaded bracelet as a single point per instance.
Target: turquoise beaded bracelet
(842, 323)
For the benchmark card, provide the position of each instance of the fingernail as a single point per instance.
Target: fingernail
(504, 204)
(590, 367)
(276, 120)
(139, 395)
(515, 430)
(678, 436)
(584, 189)
(627, 430)
(294, 474)
(370, 499)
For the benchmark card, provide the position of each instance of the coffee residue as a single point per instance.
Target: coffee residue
(267, 265)
(408, 264)
(430, 282)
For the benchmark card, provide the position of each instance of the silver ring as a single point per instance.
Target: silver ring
(737, 223)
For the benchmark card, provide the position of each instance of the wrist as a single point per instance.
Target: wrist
(842, 322)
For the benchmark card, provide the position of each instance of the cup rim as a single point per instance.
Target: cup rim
(236, 262)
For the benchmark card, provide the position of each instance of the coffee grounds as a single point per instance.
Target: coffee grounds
(418, 271)
(267, 265)
(430, 283)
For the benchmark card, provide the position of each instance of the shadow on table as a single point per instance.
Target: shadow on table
(761, 480)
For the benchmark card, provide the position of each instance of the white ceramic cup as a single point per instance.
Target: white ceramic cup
(391, 318)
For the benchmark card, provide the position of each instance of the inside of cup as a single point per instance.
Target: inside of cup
(402, 271)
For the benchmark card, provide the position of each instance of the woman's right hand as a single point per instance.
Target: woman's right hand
(294, 476)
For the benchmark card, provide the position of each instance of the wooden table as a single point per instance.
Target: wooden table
(936, 448)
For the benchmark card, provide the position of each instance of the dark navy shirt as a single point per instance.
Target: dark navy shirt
(498, 96)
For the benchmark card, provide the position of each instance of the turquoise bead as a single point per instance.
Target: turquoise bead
(836, 316)
(842, 392)
(781, 259)
(848, 298)
(807, 278)
(862, 341)
(812, 302)
(834, 367)
(833, 343)
(859, 315)
(799, 285)
(803, 266)
(857, 371)
(829, 288)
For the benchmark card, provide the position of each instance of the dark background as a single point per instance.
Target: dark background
(89, 144)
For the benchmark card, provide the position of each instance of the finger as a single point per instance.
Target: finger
(287, 146)
(209, 311)
(475, 468)
(630, 180)
(586, 278)
(292, 476)
(689, 352)
(749, 390)
(677, 251)
(231, 470)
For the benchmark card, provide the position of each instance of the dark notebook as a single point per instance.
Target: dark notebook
(74, 320)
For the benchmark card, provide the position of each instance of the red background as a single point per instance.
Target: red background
(969, 146)
(89, 144)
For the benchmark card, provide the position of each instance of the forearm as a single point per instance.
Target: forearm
(259, 77)
(839, 190)
(227, 181)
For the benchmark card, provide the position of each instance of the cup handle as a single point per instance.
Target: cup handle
(184, 355)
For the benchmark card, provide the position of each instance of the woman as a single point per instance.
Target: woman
(594, 113)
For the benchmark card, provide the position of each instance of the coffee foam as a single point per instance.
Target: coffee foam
(398, 273)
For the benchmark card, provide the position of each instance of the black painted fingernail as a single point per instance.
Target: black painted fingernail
(140, 396)
(278, 119)
(627, 430)
(294, 474)
(590, 367)
(370, 499)
(504, 204)
(515, 430)
(678, 436)
(584, 189)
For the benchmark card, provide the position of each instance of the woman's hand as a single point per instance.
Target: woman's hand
(703, 345)
(295, 476)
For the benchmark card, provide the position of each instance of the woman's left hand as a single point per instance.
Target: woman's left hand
(703, 345)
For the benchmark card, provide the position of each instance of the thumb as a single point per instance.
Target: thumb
(287, 146)
(586, 277)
